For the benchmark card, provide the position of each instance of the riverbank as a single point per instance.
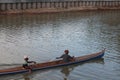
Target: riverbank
(54, 10)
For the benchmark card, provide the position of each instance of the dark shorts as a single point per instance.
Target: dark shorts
(25, 65)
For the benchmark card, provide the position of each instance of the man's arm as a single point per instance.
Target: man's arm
(32, 62)
(60, 56)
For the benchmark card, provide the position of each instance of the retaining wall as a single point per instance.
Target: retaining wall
(39, 6)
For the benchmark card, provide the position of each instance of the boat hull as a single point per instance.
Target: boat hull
(52, 64)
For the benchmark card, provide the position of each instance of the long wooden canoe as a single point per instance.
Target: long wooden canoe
(52, 64)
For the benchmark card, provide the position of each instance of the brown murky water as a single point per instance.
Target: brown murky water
(45, 36)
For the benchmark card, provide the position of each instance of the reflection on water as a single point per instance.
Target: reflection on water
(45, 36)
(26, 77)
(66, 70)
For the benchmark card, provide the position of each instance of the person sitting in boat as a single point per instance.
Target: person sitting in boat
(66, 57)
(27, 63)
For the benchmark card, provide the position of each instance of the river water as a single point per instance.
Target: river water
(43, 37)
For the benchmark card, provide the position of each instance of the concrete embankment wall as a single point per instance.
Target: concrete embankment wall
(42, 6)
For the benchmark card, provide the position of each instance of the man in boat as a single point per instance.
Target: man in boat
(66, 57)
(27, 63)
